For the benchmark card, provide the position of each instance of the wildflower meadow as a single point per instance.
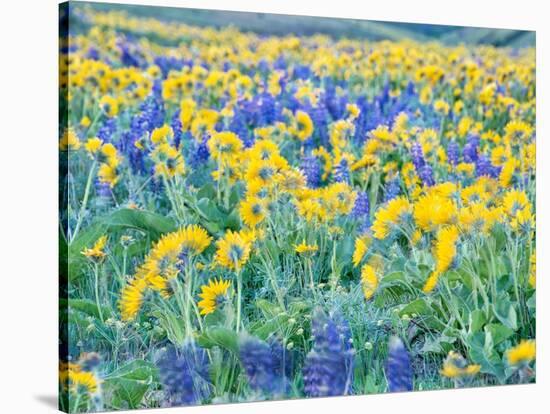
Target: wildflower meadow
(250, 216)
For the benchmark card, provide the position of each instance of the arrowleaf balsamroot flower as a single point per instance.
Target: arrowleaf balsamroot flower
(304, 248)
(390, 216)
(253, 211)
(162, 264)
(168, 160)
(97, 251)
(109, 105)
(398, 367)
(522, 354)
(328, 368)
(456, 367)
(369, 280)
(444, 252)
(233, 250)
(69, 140)
(303, 128)
(213, 295)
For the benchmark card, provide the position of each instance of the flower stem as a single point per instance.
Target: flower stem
(85, 199)
(96, 288)
(239, 298)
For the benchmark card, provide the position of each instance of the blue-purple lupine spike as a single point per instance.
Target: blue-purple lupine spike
(184, 374)
(311, 168)
(398, 367)
(328, 368)
(264, 365)
(417, 156)
(470, 150)
(484, 166)
(198, 152)
(393, 188)
(341, 172)
(453, 152)
(426, 175)
(361, 208)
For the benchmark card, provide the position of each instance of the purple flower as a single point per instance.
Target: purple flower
(426, 175)
(361, 208)
(470, 151)
(311, 168)
(341, 172)
(398, 367)
(266, 365)
(393, 188)
(453, 152)
(484, 167)
(184, 374)
(328, 368)
(417, 156)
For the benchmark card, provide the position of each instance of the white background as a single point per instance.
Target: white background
(28, 203)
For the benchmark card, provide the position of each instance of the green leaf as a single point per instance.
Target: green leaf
(505, 312)
(418, 306)
(208, 210)
(499, 333)
(482, 352)
(219, 336)
(477, 320)
(86, 306)
(127, 385)
(152, 224)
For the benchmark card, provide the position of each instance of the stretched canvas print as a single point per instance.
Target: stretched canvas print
(258, 206)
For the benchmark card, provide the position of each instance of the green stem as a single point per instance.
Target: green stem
(96, 288)
(85, 199)
(239, 297)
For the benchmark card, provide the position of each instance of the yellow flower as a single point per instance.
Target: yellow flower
(353, 110)
(69, 140)
(253, 211)
(93, 145)
(444, 253)
(361, 247)
(391, 215)
(108, 174)
(304, 126)
(82, 381)
(441, 107)
(233, 250)
(304, 248)
(518, 208)
(187, 110)
(162, 134)
(274, 83)
(97, 252)
(432, 211)
(518, 132)
(169, 161)
(445, 247)
(109, 105)
(507, 172)
(339, 198)
(265, 172)
(224, 145)
(131, 298)
(455, 366)
(523, 353)
(369, 280)
(213, 295)
(85, 122)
